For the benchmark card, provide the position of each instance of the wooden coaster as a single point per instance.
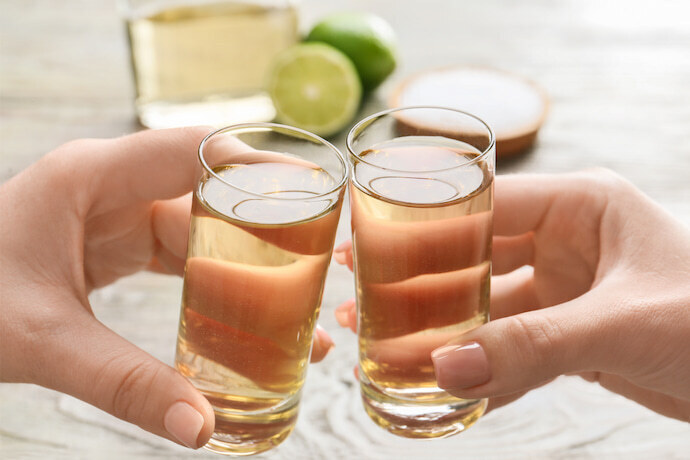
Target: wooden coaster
(514, 107)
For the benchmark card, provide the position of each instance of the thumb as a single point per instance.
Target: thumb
(114, 375)
(520, 352)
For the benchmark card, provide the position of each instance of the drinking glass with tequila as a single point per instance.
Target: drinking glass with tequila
(263, 223)
(421, 200)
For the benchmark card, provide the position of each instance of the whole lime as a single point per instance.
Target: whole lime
(368, 40)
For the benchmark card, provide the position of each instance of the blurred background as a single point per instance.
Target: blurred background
(617, 76)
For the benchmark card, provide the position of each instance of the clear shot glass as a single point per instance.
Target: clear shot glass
(263, 223)
(421, 194)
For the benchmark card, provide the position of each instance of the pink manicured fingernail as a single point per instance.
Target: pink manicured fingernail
(340, 257)
(184, 423)
(341, 315)
(343, 247)
(461, 366)
(326, 340)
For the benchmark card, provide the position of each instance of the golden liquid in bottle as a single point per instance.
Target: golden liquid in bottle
(253, 283)
(422, 253)
(207, 63)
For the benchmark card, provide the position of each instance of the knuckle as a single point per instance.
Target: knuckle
(197, 131)
(539, 336)
(602, 173)
(132, 389)
(74, 150)
(600, 178)
(68, 160)
(79, 144)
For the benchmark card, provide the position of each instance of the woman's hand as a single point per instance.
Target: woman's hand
(605, 295)
(83, 216)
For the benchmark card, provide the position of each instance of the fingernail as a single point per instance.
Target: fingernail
(326, 340)
(461, 366)
(343, 247)
(342, 314)
(184, 423)
(340, 257)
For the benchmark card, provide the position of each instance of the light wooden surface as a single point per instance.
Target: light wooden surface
(618, 74)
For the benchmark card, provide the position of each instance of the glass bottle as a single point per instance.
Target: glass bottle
(201, 62)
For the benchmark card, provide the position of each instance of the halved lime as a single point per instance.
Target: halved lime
(315, 87)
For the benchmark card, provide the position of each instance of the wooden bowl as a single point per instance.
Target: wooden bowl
(513, 106)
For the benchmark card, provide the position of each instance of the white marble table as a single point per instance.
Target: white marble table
(618, 74)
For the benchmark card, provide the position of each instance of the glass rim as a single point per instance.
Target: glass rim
(365, 122)
(272, 127)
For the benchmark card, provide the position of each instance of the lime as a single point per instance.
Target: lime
(365, 38)
(315, 87)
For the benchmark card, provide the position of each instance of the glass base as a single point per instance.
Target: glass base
(218, 111)
(225, 444)
(438, 417)
(241, 433)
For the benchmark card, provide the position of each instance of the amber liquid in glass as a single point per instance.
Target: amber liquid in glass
(207, 63)
(253, 283)
(422, 253)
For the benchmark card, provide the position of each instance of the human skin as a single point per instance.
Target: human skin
(83, 216)
(591, 278)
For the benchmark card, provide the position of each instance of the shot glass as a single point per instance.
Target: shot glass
(421, 196)
(263, 223)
